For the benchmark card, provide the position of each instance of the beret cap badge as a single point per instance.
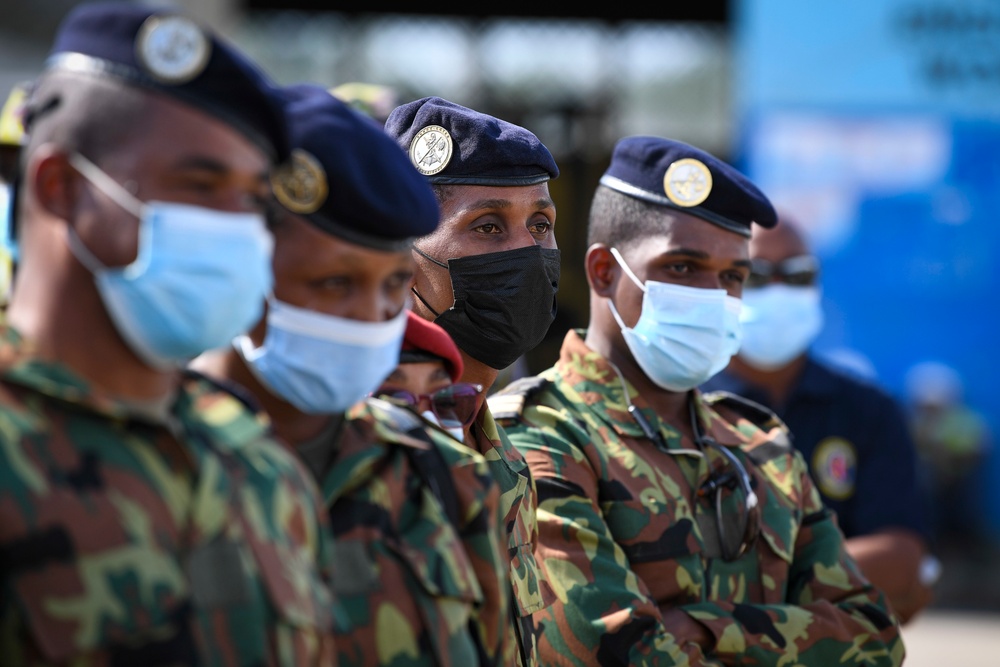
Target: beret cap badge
(687, 182)
(300, 185)
(172, 49)
(431, 149)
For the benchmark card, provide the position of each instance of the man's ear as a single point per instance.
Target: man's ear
(53, 181)
(602, 269)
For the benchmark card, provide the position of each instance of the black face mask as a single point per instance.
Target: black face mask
(504, 302)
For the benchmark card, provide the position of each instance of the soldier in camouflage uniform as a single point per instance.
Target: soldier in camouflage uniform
(678, 528)
(489, 276)
(420, 570)
(146, 517)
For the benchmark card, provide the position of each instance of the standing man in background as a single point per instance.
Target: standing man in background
(419, 563)
(488, 276)
(146, 516)
(853, 435)
(676, 527)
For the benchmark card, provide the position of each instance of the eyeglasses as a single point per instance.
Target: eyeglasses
(738, 532)
(801, 271)
(455, 406)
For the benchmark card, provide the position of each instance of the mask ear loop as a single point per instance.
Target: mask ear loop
(614, 311)
(625, 267)
(106, 184)
(423, 254)
(112, 189)
(414, 288)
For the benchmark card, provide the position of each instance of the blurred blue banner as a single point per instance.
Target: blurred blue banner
(876, 125)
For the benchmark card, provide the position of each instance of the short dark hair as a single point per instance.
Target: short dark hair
(89, 115)
(442, 192)
(619, 220)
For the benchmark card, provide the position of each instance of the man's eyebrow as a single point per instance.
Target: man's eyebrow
(700, 254)
(201, 163)
(487, 204)
(217, 167)
(685, 252)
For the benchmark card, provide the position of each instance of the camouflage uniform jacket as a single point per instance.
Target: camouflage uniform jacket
(419, 566)
(518, 507)
(194, 540)
(626, 539)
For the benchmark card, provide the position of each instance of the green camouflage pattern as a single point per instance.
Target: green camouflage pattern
(518, 507)
(419, 587)
(195, 540)
(626, 540)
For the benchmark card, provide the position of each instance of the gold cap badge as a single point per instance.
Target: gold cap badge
(688, 182)
(430, 150)
(172, 49)
(300, 185)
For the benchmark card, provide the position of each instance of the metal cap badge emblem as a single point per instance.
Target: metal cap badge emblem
(430, 150)
(688, 182)
(300, 186)
(172, 49)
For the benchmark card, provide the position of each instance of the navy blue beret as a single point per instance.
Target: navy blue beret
(164, 51)
(452, 144)
(674, 174)
(348, 177)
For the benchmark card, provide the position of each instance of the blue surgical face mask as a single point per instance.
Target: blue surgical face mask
(322, 364)
(684, 335)
(780, 322)
(200, 276)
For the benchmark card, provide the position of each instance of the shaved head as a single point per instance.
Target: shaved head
(90, 115)
(780, 242)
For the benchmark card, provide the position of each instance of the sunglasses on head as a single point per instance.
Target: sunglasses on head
(799, 271)
(454, 405)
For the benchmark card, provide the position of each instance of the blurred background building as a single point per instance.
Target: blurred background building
(875, 124)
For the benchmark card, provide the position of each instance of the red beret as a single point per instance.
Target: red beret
(426, 341)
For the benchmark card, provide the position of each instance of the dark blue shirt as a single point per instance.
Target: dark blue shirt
(857, 444)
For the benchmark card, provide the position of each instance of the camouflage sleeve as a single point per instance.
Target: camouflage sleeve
(832, 616)
(423, 581)
(485, 537)
(603, 613)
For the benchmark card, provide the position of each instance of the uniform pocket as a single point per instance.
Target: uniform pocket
(435, 554)
(659, 541)
(113, 600)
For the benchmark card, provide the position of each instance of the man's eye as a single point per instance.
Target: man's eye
(399, 280)
(542, 227)
(333, 282)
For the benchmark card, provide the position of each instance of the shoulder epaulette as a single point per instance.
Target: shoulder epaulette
(759, 415)
(509, 402)
(235, 390)
(428, 463)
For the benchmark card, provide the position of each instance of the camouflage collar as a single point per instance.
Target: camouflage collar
(200, 406)
(370, 429)
(589, 375)
(20, 366)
